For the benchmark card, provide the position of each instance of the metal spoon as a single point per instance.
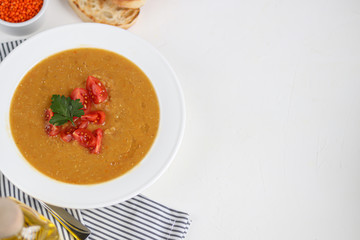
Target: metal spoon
(75, 227)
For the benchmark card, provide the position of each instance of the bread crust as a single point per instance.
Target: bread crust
(129, 3)
(105, 11)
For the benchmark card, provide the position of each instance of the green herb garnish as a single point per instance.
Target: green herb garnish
(64, 109)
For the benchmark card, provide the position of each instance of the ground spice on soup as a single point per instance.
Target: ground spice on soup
(19, 10)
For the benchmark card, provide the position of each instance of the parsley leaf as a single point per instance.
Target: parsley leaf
(58, 119)
(64, 109)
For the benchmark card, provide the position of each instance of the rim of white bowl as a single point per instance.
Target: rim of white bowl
(30, 21)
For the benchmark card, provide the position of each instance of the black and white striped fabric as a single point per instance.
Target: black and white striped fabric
(137, 218)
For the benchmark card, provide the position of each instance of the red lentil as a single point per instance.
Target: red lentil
(19, 10)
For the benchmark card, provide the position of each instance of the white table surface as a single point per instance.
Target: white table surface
(272, 88)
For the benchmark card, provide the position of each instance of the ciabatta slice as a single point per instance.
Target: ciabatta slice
(105, 11)
(129, 3)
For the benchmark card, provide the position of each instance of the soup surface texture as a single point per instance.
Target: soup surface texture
(132, 116)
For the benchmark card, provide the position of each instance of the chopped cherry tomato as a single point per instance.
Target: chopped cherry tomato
(85, 138)
(91, 116)
(76, 120)
(96, 90)
(84, 96)
(83, 124)
(80, 123)
(97, 117)
(66, 134)
(48, 114)
(98, 133)
(52, 130)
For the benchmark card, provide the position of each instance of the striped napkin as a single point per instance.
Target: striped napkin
(137, 218)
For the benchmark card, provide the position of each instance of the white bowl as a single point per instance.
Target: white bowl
(171, 126)
(27, 27)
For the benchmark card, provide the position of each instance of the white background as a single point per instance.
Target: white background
(272, 89)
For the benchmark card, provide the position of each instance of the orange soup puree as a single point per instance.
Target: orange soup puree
(131, 109)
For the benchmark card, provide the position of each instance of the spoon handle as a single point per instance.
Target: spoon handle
(75, 227)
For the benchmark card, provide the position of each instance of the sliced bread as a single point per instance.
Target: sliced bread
(129, 3)
(105, 11)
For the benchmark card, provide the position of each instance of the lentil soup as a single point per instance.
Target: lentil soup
(131, 109)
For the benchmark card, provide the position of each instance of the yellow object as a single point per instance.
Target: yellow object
(35, 226)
